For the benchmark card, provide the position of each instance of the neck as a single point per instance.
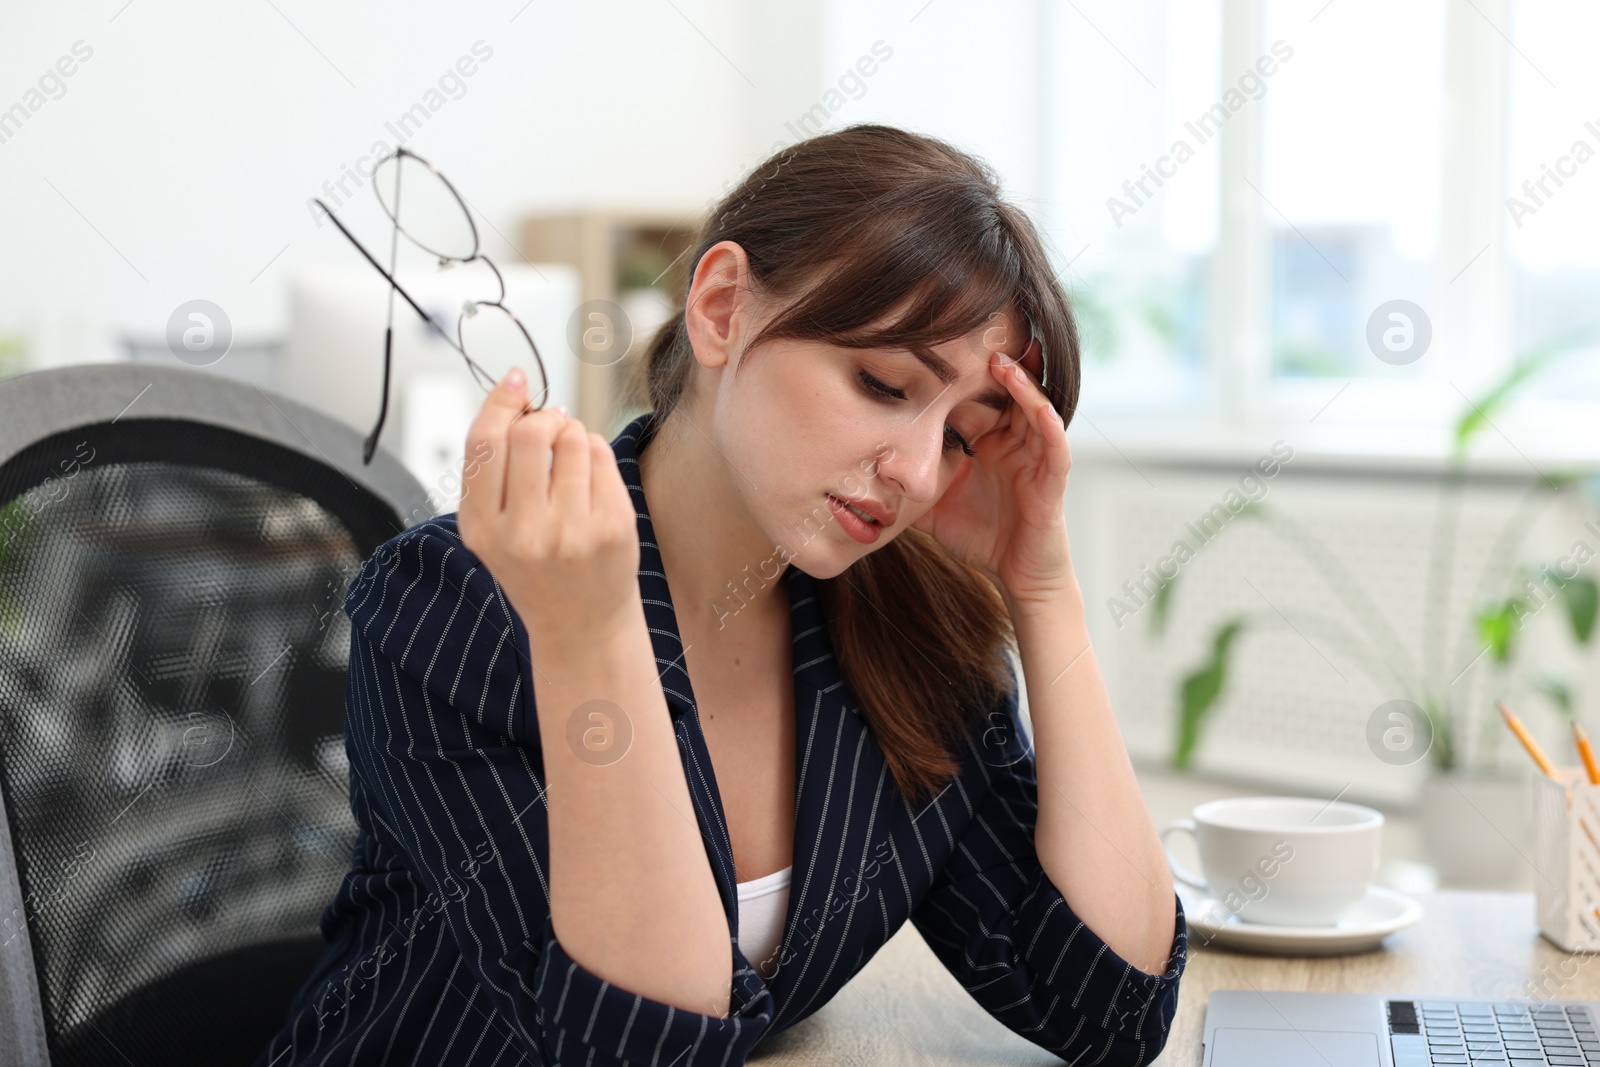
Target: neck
(703, 530)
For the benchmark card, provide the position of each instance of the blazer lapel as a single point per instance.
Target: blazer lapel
(841, 779)
(658, 612)
(839, 774)
(670, 666)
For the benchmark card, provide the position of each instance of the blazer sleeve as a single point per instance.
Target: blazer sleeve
(996, 921)
(443, 736)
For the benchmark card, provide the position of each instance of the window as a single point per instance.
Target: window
(1553, 190)
(1350, 175)
(1131, 190)
(1238, 188)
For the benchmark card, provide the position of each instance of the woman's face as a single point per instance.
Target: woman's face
(808, 427)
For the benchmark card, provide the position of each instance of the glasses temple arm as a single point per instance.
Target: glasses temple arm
(451, 341)
(370, 444)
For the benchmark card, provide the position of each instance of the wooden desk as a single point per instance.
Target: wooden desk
(904, 1008)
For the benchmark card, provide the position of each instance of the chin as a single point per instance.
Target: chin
(830, 553)
(813, 539)
(821, 565)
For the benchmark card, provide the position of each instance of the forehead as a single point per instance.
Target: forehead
(1003, 331)
(1006, 332)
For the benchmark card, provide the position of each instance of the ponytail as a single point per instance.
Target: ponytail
(658, 377)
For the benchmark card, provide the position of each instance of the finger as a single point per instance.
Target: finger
(608, 489)
(531, 438)
(1036, 408)
(1042, 416)
(1024, 390)
(1059, 459)
(1053, 432)
(1028, 363)
(1031, 357)
(483, 473)
(569, 472)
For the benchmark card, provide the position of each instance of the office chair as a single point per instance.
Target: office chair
(174, 550)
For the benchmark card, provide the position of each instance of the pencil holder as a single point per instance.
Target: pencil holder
(1566, 828)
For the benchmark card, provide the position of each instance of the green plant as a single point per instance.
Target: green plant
(1200, 691)
(1376, 648)
(1097, 324)
(12, 520)
(13, 355)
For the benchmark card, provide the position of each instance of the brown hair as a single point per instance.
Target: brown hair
(849, 228)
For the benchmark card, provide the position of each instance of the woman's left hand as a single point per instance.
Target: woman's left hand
(1003, 511)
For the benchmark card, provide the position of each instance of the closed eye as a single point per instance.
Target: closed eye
(952, 439)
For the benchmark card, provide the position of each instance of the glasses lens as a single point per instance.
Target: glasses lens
(425, 208)
(495, 342)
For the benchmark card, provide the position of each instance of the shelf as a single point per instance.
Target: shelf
(618, 253)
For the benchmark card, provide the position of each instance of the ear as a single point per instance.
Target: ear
(718, 310)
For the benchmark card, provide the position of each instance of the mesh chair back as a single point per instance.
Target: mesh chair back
(172, 675)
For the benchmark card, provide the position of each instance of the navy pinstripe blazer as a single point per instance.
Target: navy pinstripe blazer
(440, 945)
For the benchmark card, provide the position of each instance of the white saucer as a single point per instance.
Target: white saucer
(1377, 915)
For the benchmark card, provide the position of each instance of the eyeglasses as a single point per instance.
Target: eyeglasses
(436, 220)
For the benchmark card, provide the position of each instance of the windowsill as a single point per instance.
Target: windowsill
(1535, 439)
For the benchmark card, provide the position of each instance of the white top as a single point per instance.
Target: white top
(762, 903)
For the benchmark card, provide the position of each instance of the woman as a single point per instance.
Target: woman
(653, 744)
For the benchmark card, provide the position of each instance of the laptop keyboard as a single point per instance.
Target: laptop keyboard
(1427, 1032)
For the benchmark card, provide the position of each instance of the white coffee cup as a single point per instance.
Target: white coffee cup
(1285, 861)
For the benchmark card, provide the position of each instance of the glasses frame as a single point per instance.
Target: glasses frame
(487, 381)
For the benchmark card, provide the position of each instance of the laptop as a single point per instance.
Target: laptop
(1251, 1028)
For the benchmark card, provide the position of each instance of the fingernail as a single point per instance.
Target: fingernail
(561, 408)
(515, 379)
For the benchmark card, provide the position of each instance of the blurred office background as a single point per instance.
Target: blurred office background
(1336, 263)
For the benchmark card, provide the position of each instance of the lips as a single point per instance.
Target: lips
(874, 511)
(866, 531)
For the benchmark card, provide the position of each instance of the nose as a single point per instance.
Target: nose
(912, 466)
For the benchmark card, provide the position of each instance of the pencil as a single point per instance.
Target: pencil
(1585, 750)
(1527, 740)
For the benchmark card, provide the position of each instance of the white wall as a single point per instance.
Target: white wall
(177, 160)
(963, 71)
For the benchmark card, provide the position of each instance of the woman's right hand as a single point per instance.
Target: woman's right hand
(550, 515)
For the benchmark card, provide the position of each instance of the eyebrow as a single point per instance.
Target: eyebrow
(995, 399)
